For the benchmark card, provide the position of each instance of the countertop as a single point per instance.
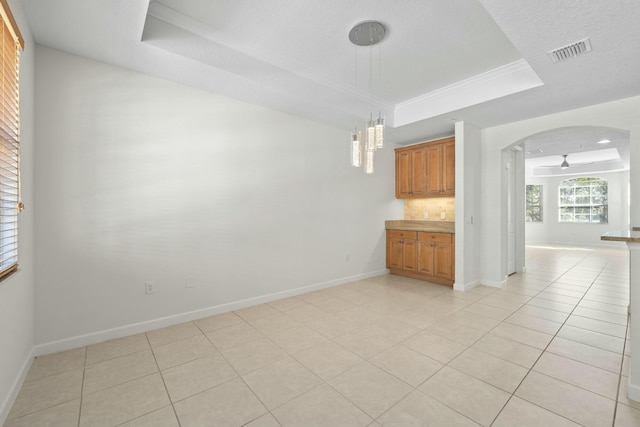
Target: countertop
(622, 236)
(416, 225)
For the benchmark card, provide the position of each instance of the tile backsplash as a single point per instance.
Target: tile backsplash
(416, 208)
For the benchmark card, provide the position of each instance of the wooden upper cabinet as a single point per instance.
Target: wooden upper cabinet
(426, 170)
(434, 170)
(441, 168)
(418, 172)
(449, 168)
(403, 174)
(411, 175)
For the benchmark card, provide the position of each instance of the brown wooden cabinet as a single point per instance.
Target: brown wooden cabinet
(422, 255)
(401, 250)
(411, 176)
(441, 157)
(426, 170)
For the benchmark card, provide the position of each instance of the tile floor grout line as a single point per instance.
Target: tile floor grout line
(624, 346)
(163, 383)
(84, 370)
(543, 352)
(239, 376)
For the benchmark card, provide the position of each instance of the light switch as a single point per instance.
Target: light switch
(443, 215)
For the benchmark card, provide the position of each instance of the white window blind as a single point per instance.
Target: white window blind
(10, 200)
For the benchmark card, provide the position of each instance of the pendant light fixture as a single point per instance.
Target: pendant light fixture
(356, 148)
(367, 33)
(564, 164)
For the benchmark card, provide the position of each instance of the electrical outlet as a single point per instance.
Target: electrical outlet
(149, 287)
(189, 282)
(426, 215)
(443, 215)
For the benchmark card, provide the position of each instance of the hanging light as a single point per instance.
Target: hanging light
(371, 135)
(379, 131)
(565, 164)
(367, 33)
(356, 148)
(368, 162)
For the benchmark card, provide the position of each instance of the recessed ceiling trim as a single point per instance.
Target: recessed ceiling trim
(502, 81)
(171, 16)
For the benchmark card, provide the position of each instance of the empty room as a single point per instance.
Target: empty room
(305, 213)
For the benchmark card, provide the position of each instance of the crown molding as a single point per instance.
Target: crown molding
(502, 81)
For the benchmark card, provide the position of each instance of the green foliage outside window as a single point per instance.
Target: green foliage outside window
(533, 208)
(584, 200)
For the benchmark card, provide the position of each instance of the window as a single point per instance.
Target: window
(584, 200)
(533, 209)
(10, 202)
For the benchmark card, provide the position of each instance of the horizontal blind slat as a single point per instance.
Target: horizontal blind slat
(9, 141)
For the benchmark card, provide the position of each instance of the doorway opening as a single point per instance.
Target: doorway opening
(563, 170)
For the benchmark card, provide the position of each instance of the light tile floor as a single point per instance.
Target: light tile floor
(549, 349)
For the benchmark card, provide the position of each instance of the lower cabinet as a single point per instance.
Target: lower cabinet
(401, 250)
(422, 255)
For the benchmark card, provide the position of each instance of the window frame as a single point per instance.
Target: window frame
(528, 204)
(585, 203)
(10, 195)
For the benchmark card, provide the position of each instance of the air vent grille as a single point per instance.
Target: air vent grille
(570, 51)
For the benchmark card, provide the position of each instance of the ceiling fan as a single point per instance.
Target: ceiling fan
(565, 164)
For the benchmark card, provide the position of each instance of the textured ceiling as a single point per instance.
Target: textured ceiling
(544, 151)
(482, 61)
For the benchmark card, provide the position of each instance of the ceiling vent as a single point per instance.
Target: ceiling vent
(570, 51)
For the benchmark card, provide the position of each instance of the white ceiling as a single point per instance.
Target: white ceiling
(482, 61)
(585, 154)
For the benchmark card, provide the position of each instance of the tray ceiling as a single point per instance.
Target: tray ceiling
(482, 61)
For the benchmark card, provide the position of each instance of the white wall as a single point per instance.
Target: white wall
(621, 114)
(552, 231)
(467, 206)
(16, 292)
(139, 178)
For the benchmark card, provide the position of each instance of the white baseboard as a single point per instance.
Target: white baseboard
(466, 286)
(494, 283)
(596, 244)
(136, 328)
(634, 391)
(6, 405)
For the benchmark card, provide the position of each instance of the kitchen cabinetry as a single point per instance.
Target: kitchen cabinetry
(411, 176)
(426, 170)
(435, 255)
(401, 250)
(441, 157)
(422, 255)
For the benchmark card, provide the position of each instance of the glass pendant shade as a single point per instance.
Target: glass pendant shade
(368, 162)
(379, 132)
(371, 136)
(356, 148)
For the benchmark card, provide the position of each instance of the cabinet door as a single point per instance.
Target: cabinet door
(409, 252)
(449, 168)
(443, 260)
(395, 253)
(434, 170)
(425, 258)
(419, 172)
(403, 174)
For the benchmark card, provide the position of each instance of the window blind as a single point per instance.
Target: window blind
(10, 199)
